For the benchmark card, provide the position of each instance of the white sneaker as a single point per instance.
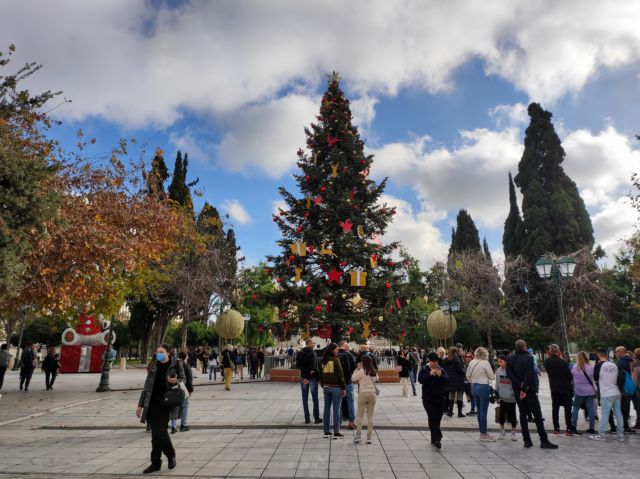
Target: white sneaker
(487, 438)
(597, 437)
(620, 438)
(357, 438)
(514, 436)
(502, 435)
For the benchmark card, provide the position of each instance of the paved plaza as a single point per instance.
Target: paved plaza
(258, 430)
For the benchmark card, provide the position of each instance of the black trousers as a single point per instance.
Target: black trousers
(158, 419)
(25, 377)
(49, 378)
(559, 400)
(3, 369)
(530, 405)
(434, 416)
(508, 412)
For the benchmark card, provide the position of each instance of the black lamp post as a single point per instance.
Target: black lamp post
(556, 269)
(448, 307)
(106, 365)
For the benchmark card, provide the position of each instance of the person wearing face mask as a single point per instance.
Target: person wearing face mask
(162, 374)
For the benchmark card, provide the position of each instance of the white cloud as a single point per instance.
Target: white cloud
(266, 136)
(416, 232)
(135, 65)
(473, 174)
(189, 143)
(236, 211)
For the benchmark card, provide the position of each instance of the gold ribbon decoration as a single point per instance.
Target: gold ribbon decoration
(365, 329)
(334, 169)
(298, 270)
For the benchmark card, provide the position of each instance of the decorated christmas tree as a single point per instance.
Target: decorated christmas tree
(333, 277)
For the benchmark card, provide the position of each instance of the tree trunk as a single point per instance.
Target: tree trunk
(489, 339)
(185, 330)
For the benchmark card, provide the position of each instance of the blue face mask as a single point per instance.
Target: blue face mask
(160, 357)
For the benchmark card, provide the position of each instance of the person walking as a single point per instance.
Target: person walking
(241, 362)
(50, 367)
(365, 376)
(5, 357)
(584, 392)
(333, 386)
(165, 372)
(433, 379)
(625, 363)
(253, 362)
(610, 382)
(404, 366)
(306, 363)
(213, 365)
(188, 382)
(455, 383)
(228, 365)
(480, 374)
(635, 376)
(468, 357)
(525, 384)
(507, 399)
(348, 363)
(561, 385)
(29, 362)
(260, 361)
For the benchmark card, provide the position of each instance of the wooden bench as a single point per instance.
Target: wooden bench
(282, 375)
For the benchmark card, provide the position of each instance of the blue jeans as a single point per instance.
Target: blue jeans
(332, 398)
(412, 378)
(213, 370)
(313, 385)
(607, 405)
(350, 404)
(184, 413)
(578, 401)
(481, 394)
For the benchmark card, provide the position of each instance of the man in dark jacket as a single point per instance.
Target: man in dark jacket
(228, 365)
(561, 385)
(50, 367)
(433, 379)
(306, 363)
(525, 387)
(28, 360)
(348, 366)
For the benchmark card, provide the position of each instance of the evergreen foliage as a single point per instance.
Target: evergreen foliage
(157, 175)
(465, 238)
(513, 237)
(338, 212)
(555, 217)
(485, 249)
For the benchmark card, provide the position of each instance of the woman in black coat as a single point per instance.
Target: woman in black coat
(166, 371)
(455, 385)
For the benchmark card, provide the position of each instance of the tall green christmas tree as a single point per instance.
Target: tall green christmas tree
(333, 276)
(555, 218)
(513, 237)
(465, 237)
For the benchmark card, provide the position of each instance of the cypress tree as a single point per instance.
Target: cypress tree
(485, 249)
(176, 188)
(465, 237)
(157, 175)
(513, 237)
(555, 217)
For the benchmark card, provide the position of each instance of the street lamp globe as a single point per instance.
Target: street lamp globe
(544, 267)
(567, 266)
(455, 306)
(444, 306)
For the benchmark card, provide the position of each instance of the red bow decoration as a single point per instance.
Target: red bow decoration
(332, 140)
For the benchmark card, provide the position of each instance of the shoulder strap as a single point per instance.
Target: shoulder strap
(588, 378)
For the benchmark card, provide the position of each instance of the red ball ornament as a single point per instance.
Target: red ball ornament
(323, 189)
(283, 314)
(364, 162)
(343, 264)
(292, 257)
(403, 334)
(306, 214)
(254, 296)
(308, 289)
(374, 333)
(318, 308)
(307, 177)
(267, 270)
(281, 212)
(275, 219)
(299, 229)
(350, 329)
(278, 280)
(392, 264)
(388, 285)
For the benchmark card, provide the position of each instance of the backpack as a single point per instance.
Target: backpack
(629, 386)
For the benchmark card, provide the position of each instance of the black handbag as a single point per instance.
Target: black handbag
(173, 397)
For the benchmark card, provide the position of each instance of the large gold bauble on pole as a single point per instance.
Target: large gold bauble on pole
(230, 324)
(441, 326)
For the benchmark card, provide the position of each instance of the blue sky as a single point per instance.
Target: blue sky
(438, 89)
